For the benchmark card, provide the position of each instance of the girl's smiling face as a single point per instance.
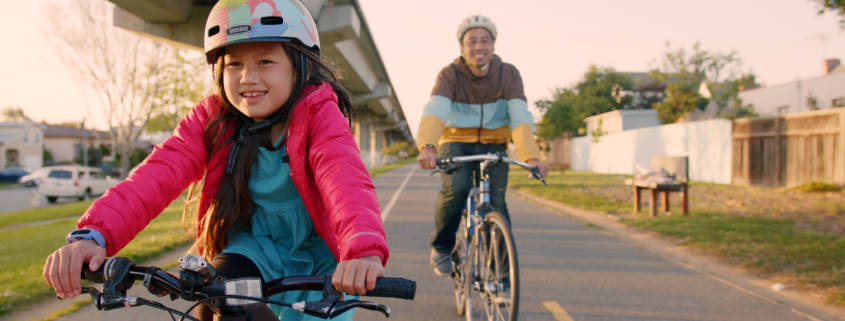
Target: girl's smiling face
(258, 77)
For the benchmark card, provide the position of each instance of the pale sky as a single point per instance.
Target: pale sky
(551, 42)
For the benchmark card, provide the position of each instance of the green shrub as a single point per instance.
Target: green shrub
(395, 148)
(817, 187)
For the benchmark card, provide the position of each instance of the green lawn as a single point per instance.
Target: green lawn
(24, 250)
(767, 237)
(44, 213)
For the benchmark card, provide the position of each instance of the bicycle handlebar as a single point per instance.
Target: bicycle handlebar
(445, 163)
(118, 274)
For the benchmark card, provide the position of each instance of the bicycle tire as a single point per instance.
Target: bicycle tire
(461, 268)
(495, 290)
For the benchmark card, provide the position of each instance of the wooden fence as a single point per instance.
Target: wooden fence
(790, 150)
(558, 152)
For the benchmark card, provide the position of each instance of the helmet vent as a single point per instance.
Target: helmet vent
(238, 29)
(272, 20)
(213, 31)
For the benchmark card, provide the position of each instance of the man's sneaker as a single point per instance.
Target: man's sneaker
(442, 263)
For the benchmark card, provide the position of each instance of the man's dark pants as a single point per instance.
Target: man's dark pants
(452, 198)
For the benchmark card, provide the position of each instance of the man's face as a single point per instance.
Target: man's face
(477, 47)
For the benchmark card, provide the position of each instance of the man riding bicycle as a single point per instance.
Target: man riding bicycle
(477, 106)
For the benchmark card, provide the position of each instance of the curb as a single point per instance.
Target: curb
(803, 303)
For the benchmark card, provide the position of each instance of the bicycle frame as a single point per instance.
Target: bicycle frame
(478, 199)
(479, 194)
(468, 276)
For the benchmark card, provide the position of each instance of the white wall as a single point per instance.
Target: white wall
(706, 143)
(61, 148)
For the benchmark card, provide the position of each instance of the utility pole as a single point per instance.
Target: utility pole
(84, 143)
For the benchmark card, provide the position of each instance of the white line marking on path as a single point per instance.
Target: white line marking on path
(557, 311)
(393, 199)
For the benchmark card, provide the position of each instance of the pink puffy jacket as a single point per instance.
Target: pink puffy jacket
(325, 166)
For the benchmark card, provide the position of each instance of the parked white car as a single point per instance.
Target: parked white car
(35, 177)
(74, 181)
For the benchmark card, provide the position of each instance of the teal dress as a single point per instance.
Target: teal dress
(280, 239)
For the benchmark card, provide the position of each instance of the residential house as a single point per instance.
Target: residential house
(825, 91)
(21, 145)
(646, 91)
(62, 141)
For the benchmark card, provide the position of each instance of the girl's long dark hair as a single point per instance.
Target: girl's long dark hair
(233, 206)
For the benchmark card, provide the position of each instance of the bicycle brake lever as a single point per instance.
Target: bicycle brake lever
(343, 306)
(535, 173)
(95, 294)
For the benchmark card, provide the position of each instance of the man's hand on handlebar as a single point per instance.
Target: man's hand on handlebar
(427, 158)
(357, 276)
(63, 267)
(544, 169)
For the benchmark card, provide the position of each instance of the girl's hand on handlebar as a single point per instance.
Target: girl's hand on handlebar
(427, 158)
(63, 268)
(357, 276)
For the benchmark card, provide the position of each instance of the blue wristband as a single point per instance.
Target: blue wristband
(86, 234)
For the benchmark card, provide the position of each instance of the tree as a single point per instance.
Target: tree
(186, 81)
(128, 74)
(684, 71)
(598, 92)
(15, 114)
(558, 114)
(835, 6)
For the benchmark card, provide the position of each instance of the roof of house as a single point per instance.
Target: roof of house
(20, 124)
(64, 131)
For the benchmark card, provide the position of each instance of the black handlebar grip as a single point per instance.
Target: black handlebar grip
(96, 276)
(388, 287)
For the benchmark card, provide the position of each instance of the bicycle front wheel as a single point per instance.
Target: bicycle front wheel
(494, 276)
(461, 266)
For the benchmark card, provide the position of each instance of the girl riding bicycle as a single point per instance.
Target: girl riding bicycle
(283, 188)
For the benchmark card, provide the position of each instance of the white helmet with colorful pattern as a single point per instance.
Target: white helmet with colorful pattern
(476, 21)
(238, 21)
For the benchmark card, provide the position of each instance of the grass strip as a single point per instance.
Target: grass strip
(764, 245)
(44, 213)
(24, 250)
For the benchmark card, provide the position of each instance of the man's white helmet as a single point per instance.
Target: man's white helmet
(476, 21)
